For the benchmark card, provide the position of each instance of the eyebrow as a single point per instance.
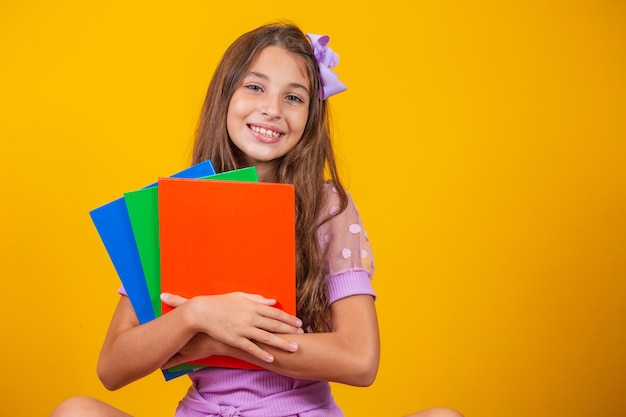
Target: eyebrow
(265, 77)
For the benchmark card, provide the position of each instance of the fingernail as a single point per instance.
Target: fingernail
(300, 331)
(269, 358)
(299, 323)
(293, 347)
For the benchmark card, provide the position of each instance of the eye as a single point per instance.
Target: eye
(253, 87)
(295, 99)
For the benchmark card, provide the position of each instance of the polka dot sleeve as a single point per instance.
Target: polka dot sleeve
(346, 250)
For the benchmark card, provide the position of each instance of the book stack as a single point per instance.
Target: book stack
(202, 233)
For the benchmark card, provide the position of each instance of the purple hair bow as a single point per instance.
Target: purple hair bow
(326, 59)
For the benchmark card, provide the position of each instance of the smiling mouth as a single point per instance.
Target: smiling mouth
(268, 133)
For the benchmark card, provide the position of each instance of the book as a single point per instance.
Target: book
(218, 237)
(143, 212)
(115, 230)
(113, 225)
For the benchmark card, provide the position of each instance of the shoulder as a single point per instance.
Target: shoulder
(343, 238)
(332, 202)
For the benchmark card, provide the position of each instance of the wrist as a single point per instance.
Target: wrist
(188, 316)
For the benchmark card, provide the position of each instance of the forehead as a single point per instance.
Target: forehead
(274, 60)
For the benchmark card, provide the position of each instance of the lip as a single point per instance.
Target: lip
(263, 138)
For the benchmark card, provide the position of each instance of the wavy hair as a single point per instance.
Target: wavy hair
(308, 165)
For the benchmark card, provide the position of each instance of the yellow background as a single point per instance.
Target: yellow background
(483, 142)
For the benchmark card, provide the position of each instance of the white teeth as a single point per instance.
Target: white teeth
(265, 132)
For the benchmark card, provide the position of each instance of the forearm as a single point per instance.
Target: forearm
(131, 351)
(321, 356)
(349, 354)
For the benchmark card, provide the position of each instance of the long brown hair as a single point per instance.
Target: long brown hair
(308, 165)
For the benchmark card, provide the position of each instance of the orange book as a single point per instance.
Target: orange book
(223, 236)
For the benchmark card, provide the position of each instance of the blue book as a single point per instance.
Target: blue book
(116, 232)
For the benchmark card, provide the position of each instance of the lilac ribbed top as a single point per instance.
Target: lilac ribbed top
(218, 392)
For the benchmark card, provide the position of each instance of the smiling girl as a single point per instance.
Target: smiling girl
(266, 107)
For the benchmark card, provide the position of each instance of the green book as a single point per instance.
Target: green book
(143, 211)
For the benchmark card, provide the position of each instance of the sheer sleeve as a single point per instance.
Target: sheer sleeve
(346, 250)
(121, 290)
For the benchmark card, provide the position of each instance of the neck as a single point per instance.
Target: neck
(265, 171)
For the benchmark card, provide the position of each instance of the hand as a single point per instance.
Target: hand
(238, 319)
(198, 347)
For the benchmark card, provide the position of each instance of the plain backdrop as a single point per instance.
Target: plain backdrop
(483, 142)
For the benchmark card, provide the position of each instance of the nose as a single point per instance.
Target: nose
(271, 106)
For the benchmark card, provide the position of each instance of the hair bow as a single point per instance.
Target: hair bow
(326, 59)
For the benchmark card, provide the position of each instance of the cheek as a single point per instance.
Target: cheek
(299, 120)
(232, 115)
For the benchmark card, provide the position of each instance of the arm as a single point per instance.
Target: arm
(349, 354)
(131, 351)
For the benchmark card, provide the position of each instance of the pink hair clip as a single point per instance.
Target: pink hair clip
(326, 59)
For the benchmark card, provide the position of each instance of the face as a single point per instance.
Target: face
(268, 111)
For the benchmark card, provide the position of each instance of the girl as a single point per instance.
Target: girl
(266, 106)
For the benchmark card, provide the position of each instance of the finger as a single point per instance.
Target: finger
(258, 298)
(254, 350)
(279, 315)
(272, 340)
(172, 300)
(275, 326)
